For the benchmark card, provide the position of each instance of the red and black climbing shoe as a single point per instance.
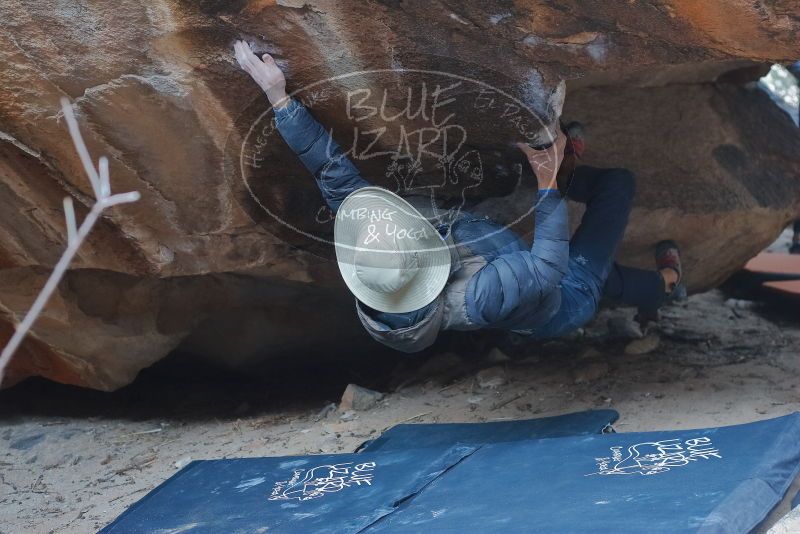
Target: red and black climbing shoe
(668, 256)
(576, 138)
(573, 150)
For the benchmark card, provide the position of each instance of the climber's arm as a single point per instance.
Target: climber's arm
(336, 175)
(520, 277)
(516, 278)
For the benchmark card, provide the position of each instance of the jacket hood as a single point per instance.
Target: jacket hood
(414, 338)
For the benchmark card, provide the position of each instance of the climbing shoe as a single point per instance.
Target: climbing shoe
(668, 256)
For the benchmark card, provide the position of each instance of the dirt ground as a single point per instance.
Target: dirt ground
(72, 460)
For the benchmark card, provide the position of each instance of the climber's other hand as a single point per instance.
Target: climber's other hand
(264, 71)
(545, 162)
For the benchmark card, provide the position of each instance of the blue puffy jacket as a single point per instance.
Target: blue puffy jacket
(516, 289)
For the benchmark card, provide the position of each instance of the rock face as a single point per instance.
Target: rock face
(227, 255)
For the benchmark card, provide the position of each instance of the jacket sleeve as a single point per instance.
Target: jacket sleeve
(520, 277)
(336, 175)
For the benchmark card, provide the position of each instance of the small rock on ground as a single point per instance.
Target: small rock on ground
(325, 411)
(183, 462)
(493, 377)
(347, 416)
(740, 304)
(645, 345)
(357, 398)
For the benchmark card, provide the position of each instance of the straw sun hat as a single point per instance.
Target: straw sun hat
(390, 256)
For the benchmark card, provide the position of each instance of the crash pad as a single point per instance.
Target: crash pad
(210, 494)
(774, 266)
(720, 480)
(445, 434)
(789, 289)
(322, 494)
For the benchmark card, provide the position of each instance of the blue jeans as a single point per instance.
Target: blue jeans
(593, 274)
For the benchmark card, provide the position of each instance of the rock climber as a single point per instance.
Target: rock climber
(414, 276)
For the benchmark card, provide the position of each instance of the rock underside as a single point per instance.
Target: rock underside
(228, 256)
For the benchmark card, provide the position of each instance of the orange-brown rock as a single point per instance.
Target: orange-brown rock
(227, 259)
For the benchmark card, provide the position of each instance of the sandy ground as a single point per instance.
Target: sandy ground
(72, 460)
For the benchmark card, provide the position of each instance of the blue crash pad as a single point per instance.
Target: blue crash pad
(720, 480)
(446, 434)
(321, 494)
(235, 493)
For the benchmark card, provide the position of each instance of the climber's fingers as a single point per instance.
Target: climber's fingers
(557, 151)
(544, 156)
(263, 70)
(238, 54)
(252, 59)
(246, 58)
(241, 55)
(245, 47)
(545, 161)
(536, 158)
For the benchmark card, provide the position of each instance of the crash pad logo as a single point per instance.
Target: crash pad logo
(654, 457)
(445, 137)
(314, 483)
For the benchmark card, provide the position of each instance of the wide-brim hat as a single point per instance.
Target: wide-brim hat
(390, 256)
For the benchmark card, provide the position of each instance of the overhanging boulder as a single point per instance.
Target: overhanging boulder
(225, 260)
